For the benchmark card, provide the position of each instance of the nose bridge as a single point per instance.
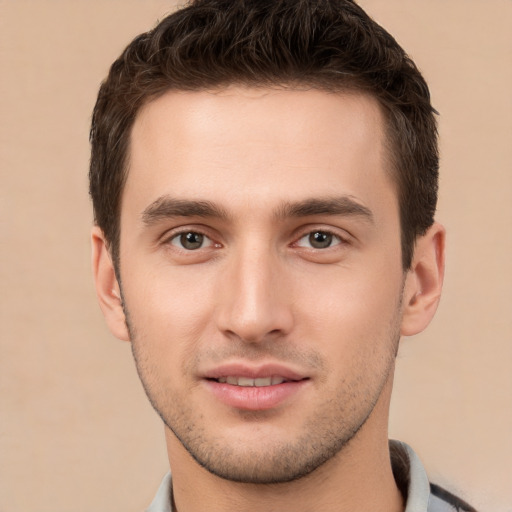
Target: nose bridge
(252, 303)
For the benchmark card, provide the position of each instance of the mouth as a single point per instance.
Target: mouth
(255, 388)
(248, 382)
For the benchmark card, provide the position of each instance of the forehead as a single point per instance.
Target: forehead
(242, 144)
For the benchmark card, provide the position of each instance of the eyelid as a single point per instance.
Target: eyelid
(171, 234)
(336, 241)
(343, 236)
(176, 241)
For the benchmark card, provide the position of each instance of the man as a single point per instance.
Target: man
(264, 182)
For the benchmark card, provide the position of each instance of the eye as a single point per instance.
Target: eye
(319, 240)
(191, 240)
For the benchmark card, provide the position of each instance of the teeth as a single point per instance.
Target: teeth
(263, 382)
(245, 382)
(248, 382)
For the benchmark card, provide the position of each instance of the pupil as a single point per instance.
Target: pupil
(191, 240)
(320, 240)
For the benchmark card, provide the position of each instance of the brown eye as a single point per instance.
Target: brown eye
(319, 240)
(190, 240)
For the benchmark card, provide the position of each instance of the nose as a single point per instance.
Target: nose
(254, 299)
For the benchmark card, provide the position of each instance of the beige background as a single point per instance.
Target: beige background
(76, 432)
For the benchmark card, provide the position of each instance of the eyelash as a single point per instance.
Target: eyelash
(179, 237)
(330, 234)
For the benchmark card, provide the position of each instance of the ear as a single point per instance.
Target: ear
(107, 287)
(424, 281)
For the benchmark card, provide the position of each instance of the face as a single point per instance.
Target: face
(261, 273)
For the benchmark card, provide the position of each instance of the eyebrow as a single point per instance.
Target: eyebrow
(169, 207)
(343, 205)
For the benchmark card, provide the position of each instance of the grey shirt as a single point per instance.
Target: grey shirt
(419, 494)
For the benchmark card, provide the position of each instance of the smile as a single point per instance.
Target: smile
(255, 393)
(245, 386)
(248, 382)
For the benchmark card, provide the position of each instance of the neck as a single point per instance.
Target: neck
(358, 478)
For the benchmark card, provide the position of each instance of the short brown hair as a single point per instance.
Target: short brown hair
(330, 45)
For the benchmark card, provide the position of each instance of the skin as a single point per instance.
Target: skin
(235, 169)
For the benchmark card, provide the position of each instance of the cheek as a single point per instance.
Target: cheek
(348, 295)
(351, 312)
(169, 309)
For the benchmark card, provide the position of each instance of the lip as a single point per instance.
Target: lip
(254, 398)
(253, 372)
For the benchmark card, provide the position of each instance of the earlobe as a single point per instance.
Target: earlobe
(107, 287)
(424, 281)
